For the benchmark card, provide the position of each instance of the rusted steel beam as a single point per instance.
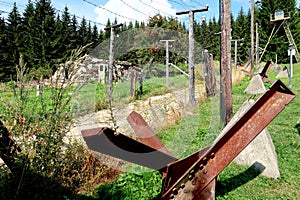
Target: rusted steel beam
(203, 172)
(193, 177)
(265, 71)
(104, 140)
(145, 133)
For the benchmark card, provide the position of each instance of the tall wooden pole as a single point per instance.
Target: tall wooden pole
(167, 60)
(252, 40)
(192, 100)
(111, 58)
(257, 44)
(235, 51)
(226, 84)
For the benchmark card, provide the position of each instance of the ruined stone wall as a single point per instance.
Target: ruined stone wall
(158, 112)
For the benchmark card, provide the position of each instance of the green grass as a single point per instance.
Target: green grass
(235, 182)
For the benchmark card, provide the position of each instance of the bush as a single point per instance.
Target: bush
(51, 167)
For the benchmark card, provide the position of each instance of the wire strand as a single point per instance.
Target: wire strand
(134, 8)
(160, 11)
(82, 18)
(91, 3)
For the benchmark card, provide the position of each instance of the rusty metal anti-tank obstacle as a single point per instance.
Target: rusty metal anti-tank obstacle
(193, 177)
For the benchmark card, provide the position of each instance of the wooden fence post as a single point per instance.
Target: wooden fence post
(210, 82)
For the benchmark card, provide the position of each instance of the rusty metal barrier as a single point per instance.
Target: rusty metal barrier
(193, 177)
(105, 140)
(264, 72)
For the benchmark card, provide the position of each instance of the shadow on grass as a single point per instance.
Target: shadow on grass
(225, 186)
(105, 192)
(26, 184)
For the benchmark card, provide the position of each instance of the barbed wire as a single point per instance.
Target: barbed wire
(83, 18)
(160, 11)
(122, 16)
(134, 8)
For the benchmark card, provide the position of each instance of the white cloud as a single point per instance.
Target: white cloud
(144, 11)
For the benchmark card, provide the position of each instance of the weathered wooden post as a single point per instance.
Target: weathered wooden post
(226, 83)
(192, 99)
(167, 60)
(210, 83)
(111, 58)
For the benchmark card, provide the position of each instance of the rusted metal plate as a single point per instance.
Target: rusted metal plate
(229, 145)
(104, 140)
(145, 133)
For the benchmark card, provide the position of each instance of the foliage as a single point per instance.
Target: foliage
(53, 163)
(241, 28)
(101, 97)
(132, 185)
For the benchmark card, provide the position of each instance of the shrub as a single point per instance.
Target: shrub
(51, 167)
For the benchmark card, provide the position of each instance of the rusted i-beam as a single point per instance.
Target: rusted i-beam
(145, 133)
(105, 140)
(264, 72)
(201, 173)
(193, 177)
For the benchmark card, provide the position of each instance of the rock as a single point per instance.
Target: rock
(283, 73)
(260, 153)
(256, 85)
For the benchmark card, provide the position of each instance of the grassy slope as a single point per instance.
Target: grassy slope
(235, 182)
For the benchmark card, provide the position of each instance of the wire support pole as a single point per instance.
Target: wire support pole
(111, 58)
(167, 60)
(192, 100)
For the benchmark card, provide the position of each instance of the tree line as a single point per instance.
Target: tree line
(45, 37)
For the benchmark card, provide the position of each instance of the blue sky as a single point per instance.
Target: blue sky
(126, 10)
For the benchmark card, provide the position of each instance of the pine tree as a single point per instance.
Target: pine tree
(13, 39)
(107, 31)
(59, 44)
(44, 34)
(83, 33)
(101, 36)
(4, 54)
(130, 25)
(136, 24)
(27, 34)
(241, 30)
(214, 27)
(95, 36)
(74, 38)
(65, 34)
(89, 33)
